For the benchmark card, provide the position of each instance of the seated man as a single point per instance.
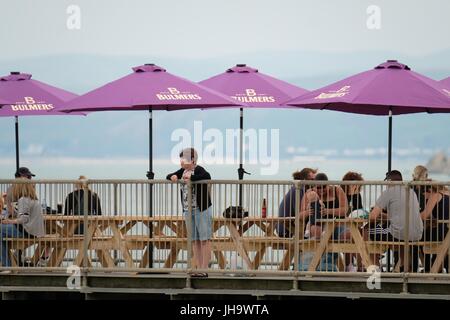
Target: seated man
(74, 203)
(393, 200)
(288, 205)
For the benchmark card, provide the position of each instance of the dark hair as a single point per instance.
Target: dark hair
(394, 175)
(189, 154)
(303, 174)
(351, 176)
(321, 177)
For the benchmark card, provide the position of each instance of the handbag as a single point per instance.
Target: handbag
(235, 212)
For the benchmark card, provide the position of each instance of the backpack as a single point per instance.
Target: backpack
(235, 212)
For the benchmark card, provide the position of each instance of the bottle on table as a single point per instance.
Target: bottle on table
(264, 208)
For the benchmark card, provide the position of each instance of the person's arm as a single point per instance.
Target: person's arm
(178, 173)
(23, 214)
(431, 203)
(200, 174)
(375, 213)
(67, 204)
(305, 209)
(98, 207)
(343, 205)
(9, 202)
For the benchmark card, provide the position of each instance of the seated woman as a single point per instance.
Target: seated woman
(28, 223)
(356, 210)
(437, 208)
(326, 201)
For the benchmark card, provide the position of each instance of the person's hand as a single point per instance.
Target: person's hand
(174, 178)
(306, 213)
(7, 221)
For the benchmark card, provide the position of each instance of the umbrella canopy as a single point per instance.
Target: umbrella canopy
(29, 97)
(258, 90)
(149, 87)
(391, 88)
(446, 82)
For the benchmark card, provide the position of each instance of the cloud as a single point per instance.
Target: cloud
(34, 150)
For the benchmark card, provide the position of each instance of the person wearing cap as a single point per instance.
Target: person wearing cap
(22, 173)
(393, 202)
(201, 214)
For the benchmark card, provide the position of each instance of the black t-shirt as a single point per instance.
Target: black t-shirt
(354, 201)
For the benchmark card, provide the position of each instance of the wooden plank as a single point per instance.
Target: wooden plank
(238, 243)
(329, 228)
(287, 258)
(442, 253)
(172, 257)
(145, 258)
(122, 244)
(220, 259)
(81, 254)
(259, 257)
(360, 245)
(128, 226)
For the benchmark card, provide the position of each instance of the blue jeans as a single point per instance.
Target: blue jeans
(8, 231)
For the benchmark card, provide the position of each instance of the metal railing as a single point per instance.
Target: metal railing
(283, 227)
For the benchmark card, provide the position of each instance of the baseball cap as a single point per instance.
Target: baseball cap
(394, 175)
(24, 172)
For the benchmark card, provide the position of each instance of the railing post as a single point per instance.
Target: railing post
(406, 237)
(115, 214)
(189, 225)
(297, 226)
(85, 223)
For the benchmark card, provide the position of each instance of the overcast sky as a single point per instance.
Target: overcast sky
(209, 28)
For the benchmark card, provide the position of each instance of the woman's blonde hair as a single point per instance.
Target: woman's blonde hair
(420, 173)
(26, 190)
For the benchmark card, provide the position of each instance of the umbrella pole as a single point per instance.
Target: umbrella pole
(388, 254)
(241, 169)
(390, 142)
(150, 176)
(17, 143)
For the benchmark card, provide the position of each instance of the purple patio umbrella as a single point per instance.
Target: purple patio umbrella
(391, 88)
(446, 82)
(29, 97)
(258, 90)
(150, 88)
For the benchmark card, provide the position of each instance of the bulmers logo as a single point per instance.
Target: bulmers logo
(447, 92)
(175, 94)
(250, 95)
(30, 104)
(334, 93)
